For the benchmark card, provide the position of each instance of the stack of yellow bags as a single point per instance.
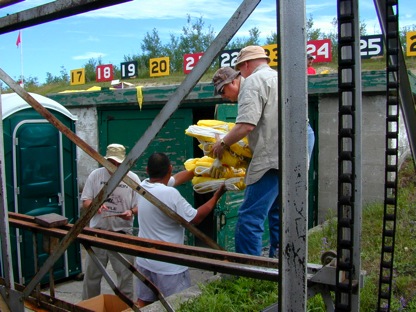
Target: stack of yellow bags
(209, 174)
(203, 182)
(205, 132)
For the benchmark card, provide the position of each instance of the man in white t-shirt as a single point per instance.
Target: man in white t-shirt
(154, 224)
(116, 215)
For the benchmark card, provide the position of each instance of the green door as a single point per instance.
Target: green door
(126, 126)
(37, 163)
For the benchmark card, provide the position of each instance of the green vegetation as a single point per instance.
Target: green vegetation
(245, 294)
(195, 37)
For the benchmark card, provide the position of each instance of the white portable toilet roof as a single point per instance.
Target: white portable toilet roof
(12, 103)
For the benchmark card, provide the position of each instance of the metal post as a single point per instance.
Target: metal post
(293, 106)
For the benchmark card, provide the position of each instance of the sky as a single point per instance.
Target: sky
(117, 31)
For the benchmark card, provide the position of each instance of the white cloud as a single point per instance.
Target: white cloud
(89, 55)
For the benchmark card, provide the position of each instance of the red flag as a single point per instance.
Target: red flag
(18, 41)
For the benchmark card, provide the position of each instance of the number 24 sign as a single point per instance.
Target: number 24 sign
(321, 49)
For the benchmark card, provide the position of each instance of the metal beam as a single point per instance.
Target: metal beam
(293, 107)
(202, 258)
(407, 103)
(4, 3)
(50, 12)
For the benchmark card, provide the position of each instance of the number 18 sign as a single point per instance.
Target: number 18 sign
(104, 73)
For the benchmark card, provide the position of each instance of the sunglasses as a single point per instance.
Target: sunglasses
(221, 91)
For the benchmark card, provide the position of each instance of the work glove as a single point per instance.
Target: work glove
(217, 170)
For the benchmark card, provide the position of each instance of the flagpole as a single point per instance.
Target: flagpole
(22, 83)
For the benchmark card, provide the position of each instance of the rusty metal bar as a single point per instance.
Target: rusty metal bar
(235, 22)
(25, 221)
(107, 277)
(197, 257)
(100, 159)
(107, 189)
(144, 279)
(5, 3)
(4, 222)
(50, 12)
(44, 301)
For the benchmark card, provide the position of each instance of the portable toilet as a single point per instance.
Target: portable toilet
(41, 178)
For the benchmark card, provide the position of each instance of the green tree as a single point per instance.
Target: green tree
(253, 39)
(151, 47)
(175, 54)
(64, 75)
(31, 82)
(90, 68)
(272, 39)
(194, 39)
(311, 33)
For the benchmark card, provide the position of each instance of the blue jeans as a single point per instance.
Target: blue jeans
(260, 202)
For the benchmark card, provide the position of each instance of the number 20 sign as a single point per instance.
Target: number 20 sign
(159, 66)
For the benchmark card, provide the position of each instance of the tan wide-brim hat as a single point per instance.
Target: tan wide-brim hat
(116, 152)
(250, 53)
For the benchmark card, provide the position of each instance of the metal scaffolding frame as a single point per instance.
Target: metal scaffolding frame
(298, 279)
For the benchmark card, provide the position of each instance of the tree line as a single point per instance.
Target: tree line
(196, 37)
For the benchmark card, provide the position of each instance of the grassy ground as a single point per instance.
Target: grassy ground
(244, 294)
(177, 78)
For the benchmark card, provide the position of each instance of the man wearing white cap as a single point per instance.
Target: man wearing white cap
(116, 214)
(258, 120)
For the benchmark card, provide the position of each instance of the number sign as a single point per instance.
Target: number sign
(129, 69)
(104, 73)
(271, 51)
(411, 43)
(371, 46)
(159, 66)
(321, 49)
(190, 60)
(77, 76)
(228, 58)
